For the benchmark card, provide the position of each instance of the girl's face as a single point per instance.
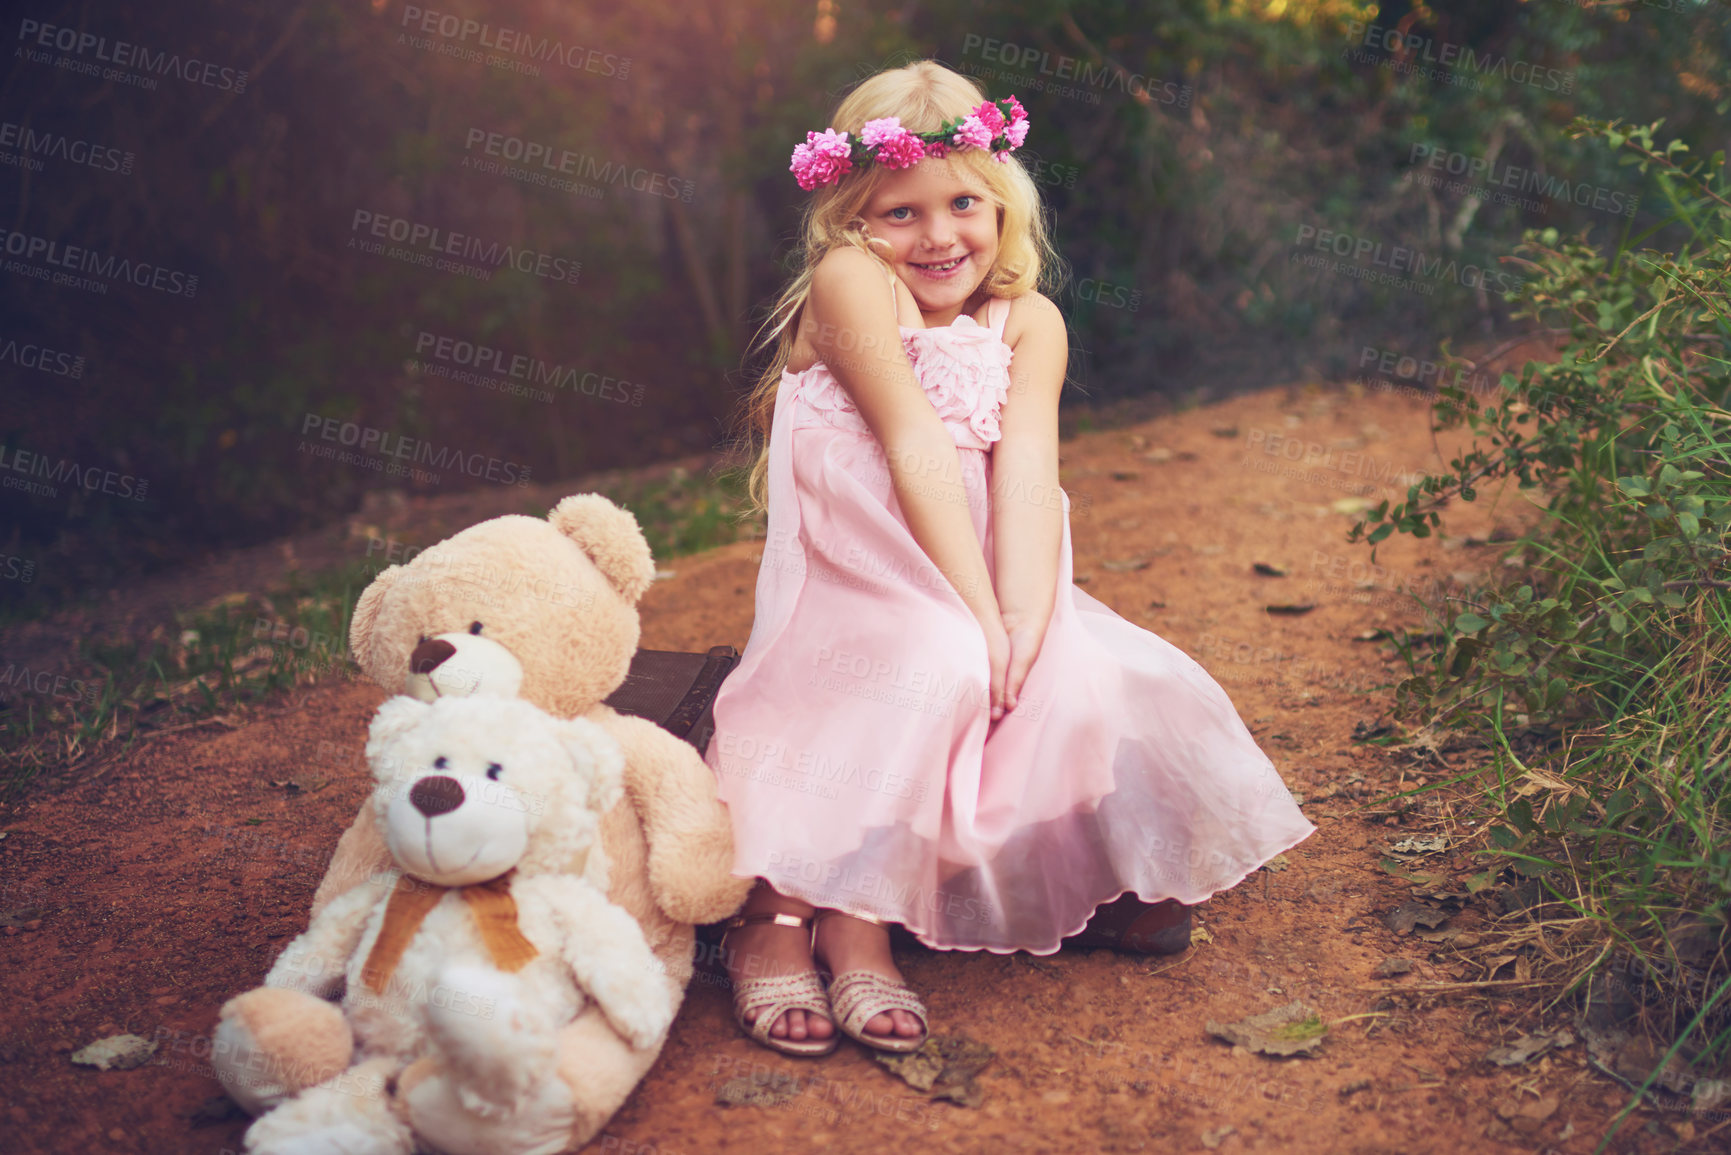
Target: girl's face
(944, 231)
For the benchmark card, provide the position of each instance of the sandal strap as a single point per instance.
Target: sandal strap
(774, 996)
(779, 918)
(860, 996)
(871, 918)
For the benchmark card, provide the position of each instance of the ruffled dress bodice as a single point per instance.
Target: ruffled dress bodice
(964, 368)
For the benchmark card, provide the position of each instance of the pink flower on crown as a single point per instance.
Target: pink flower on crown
(990, 117)
(821, 159)
(875, 132)
(896, 147)
(973, 132)
(1017, 131)
(1017, 112)
(937, 149)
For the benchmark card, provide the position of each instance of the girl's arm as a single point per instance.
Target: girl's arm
(1027, 509)
(850, 320)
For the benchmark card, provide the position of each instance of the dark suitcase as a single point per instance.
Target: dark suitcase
(676, 690)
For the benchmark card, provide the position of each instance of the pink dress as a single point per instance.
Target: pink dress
(854, 744)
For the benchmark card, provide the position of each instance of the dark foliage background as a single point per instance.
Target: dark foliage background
(1181, 173)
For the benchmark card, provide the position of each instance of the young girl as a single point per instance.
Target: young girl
(931, 725)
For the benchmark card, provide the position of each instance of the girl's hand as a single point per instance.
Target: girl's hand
(1026, 636)
(998, 652)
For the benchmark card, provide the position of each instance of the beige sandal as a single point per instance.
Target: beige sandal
(860, 996)
(773, 996)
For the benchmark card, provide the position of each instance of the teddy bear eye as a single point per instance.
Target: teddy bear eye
(494, 770)
(441, 762)
(474, 627)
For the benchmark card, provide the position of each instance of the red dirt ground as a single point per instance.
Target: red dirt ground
(141, 896)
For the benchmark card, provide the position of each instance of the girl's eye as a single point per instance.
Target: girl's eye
(494, 770)
(892, 213)
(964, 207)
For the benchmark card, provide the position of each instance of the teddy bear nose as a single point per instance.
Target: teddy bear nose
(426, 657)
(436, 795)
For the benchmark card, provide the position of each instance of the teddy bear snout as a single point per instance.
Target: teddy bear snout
(429, 655)
(436, 795)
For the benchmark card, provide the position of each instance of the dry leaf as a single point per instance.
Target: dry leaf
(1294, 1029)
(1403, 918)
(759, 1089)
(944, 1068)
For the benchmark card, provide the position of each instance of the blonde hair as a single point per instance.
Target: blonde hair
(924, 94)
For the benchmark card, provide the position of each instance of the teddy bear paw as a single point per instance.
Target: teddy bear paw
(496, 1042)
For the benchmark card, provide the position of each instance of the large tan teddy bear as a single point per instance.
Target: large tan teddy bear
(548, 610)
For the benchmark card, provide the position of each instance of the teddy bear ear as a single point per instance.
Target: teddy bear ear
(611, 537)
(398, 716)
(598, 758)
(367, 612)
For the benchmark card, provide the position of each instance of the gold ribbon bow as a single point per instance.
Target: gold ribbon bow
(491, 904)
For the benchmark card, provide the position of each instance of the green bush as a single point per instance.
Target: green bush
(1600, 678)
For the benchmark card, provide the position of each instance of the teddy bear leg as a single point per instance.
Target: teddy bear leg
(489, 1085)
(270, 1044)
(494, 1040)
(351, 1114)
(430, 1094)
(600, 1070)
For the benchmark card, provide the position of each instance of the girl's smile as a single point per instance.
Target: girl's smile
(943, 233)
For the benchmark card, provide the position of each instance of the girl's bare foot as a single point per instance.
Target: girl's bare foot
(843, 944)
(762, 950)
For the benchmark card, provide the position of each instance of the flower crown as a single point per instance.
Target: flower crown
(1000, 125)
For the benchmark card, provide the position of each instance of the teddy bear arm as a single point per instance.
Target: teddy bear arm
(316, 960)
(612, 962)
(685, 823)
(361, 854)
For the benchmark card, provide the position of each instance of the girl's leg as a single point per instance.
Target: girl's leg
(761, 950)
(847, 944)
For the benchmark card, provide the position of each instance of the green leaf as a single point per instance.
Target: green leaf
(1470, 623)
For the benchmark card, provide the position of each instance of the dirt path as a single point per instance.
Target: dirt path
(139, 900)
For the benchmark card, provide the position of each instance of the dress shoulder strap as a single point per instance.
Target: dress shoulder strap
(998, 314)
